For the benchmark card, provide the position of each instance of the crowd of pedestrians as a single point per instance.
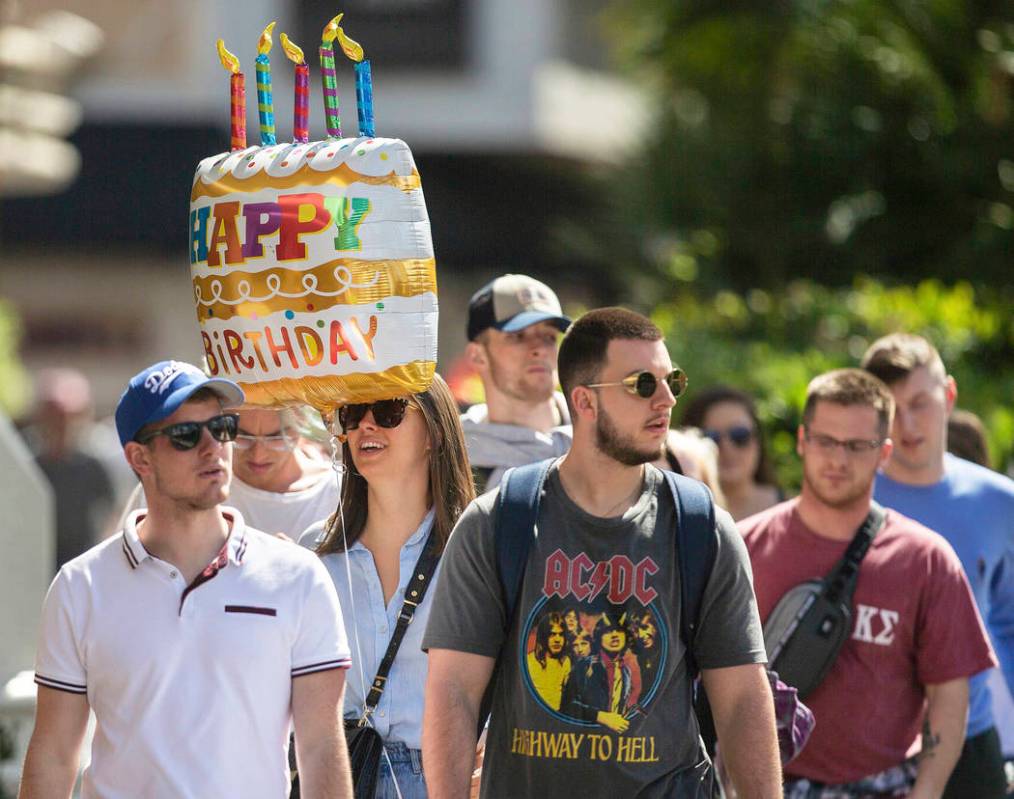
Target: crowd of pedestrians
(533, 597)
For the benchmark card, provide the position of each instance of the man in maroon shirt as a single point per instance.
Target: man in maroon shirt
(917, 636)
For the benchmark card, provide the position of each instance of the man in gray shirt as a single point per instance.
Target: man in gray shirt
(513, 326)
(595, 722)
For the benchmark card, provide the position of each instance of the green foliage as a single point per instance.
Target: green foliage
(803, 138)
(14, 384)
(772, 344)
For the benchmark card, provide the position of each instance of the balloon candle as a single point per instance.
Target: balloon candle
(265, 103)
(329, 80)
(301, 100)
(237, 89)
(364, 83)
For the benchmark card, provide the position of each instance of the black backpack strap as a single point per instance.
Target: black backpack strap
(696, 550)
(415, 591)
(514, 527)
(514, 531)
(841, 582)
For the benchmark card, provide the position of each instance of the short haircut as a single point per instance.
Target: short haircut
(850, 387)
(893, 358)
(583, 349)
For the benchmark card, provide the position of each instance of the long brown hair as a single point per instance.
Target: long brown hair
(450, 480)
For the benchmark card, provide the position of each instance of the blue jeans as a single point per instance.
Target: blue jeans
(408, 772)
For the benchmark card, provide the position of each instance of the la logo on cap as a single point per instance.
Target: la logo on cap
(533, 296)
(158, 382)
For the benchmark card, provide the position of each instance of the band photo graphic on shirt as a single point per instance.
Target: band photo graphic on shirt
(594, 662)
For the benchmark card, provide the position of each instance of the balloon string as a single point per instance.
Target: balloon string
(340, 475)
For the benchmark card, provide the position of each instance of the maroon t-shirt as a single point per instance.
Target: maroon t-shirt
(914, 624)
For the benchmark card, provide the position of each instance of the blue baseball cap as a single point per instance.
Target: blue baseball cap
(159, 390)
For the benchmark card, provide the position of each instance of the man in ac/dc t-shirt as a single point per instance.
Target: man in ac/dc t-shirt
(917, 636)
(604, 553)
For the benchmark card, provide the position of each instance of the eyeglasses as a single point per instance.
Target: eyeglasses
(279, 442)
(853, 446)
(187, 435)
(386, 413)
(645, 384)
(740, 435)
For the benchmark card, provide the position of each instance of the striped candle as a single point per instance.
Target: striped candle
(237, 100)
(364, 83)
(301, 98)
(329, 80)
(364, 98)
(265, 103)
(237, 86)
(301, 109)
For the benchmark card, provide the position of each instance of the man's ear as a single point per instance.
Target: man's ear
(585, 402)
(800, 437)
(885, 453)
(138, 457)
(951, 393)
(475, 353)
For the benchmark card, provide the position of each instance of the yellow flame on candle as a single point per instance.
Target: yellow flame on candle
(331, 29)
(229, 61)
(351, 48)
(264, 43)
(292, 50)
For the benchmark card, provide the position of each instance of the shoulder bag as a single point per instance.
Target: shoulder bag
(809, 625)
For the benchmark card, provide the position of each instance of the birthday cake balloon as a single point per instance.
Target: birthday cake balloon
(312, 262)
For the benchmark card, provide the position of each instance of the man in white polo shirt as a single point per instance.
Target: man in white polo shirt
(195, 639)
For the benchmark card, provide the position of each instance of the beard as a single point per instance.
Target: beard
(619, 446)
(856, 491)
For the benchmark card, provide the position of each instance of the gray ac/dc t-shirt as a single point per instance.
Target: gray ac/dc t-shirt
(593, 694)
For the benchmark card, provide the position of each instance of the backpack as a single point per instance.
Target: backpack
(514, 532)
(696, 541)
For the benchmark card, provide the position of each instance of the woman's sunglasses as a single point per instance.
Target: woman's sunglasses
(645, 384)
(386, 413)
(740, 435)
(187, 435)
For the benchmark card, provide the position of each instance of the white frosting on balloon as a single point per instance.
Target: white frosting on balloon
(371, 157)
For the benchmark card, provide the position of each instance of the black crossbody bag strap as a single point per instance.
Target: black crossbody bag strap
(414, 593)
(841, 582)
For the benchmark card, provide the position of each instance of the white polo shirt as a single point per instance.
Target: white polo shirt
(191, 685)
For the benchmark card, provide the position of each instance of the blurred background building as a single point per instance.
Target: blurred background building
(504, 104)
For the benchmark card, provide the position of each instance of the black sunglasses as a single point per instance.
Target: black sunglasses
(187, 435)
(645, 384)
(740, 435)
(386, 413)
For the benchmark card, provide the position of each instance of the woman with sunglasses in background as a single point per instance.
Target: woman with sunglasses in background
(281, 481)
(729, 418)
(406, 481)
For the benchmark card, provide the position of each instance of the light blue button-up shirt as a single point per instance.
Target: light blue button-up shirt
(398, 717)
